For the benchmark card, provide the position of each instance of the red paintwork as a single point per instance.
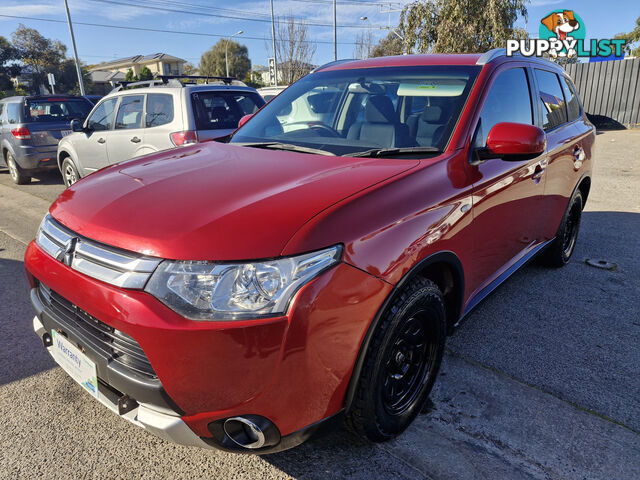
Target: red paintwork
(224, 202)
(509, 138)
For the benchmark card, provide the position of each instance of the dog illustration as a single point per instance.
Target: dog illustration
(561, 24)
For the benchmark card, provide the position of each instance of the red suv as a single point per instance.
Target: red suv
(245, 294)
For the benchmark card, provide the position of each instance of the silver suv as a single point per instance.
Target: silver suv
(145, 117)
(30, 129)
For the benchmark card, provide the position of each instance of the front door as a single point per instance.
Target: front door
(508, 196)
(91, 146)
(127, 139)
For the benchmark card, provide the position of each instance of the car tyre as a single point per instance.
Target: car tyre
(69, 172)
(561, 248)
(17, 176)
(401, 363)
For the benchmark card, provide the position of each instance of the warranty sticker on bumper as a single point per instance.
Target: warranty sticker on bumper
(75, 363)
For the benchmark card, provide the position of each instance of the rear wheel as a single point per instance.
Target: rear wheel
(401, 364)
(563, 245)
(17, 176)
(69, 171)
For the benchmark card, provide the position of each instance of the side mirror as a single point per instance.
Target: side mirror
(76, 125)
(244, 120)
(514, 142)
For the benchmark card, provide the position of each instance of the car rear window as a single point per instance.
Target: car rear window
(223, 110)
(56, 109)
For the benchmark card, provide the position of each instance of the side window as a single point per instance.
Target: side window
(554, 112)
(159, 109)
(130, 112)
(573, 106)
(102, 117)
(13, 112)
(1, 113)
(508, 100)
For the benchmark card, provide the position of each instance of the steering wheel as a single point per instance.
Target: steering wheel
(319, 128)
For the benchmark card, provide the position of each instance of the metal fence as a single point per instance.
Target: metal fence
(610, 91)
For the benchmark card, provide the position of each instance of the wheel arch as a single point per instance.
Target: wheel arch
(584, 185)
(445, 269)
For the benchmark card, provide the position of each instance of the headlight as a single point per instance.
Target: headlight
(235, 291)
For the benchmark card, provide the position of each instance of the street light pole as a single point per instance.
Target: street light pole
(273, 40)
(335, 33)
(75, 50)
(226, 49)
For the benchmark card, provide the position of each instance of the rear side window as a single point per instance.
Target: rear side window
(102, 117)
(223, 110)
(130, 112)
(508, 100)
(159, 109)
(13, 112)
(554, 112)
(573, 105)
(56, 109)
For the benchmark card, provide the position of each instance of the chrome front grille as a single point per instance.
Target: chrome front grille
(109, 342)
(117, 267)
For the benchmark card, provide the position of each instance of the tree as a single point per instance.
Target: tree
(364, 45)
(8, 64)
(145, 74)
(212, 62)
(632, 37)
(190, 69)
(67, 77)
(389, 45)
(130, 77)
(42, 54)
(460, 26)
(254, 79)
(294, 49)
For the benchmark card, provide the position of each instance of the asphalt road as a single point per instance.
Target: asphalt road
(541, 381)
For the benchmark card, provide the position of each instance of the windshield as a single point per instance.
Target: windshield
(56, 109)
(350, 111)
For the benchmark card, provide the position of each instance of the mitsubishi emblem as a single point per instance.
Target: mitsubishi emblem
(66, 256)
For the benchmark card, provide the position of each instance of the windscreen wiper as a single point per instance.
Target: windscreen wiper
(389, 152)
(286, 146)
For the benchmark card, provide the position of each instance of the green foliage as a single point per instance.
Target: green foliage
(8, 64)
(388, 46)
(460, 26)
(67, 78)
(145, 74)
(253, 79)
(212, 61)
(130, 77)
(632, 46)
(190, 69)
(41, 53)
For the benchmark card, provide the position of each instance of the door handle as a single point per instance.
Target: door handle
(537, 173)
(101, 140)
(136, 140)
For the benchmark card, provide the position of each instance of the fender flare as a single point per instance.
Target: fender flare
(444, 256)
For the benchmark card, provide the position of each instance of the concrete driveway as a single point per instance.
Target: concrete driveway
(541, 381)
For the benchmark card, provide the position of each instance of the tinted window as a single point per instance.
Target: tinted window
(551, 100)
(223, 110)
(130, 112)
(573, 106)
(56, 109)
(102, 118)
(159, 109)
(508, 100)
(13, 112)
(1, 110)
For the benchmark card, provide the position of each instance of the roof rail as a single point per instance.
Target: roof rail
(182, 78)
(490, 55)
(335, 62)
(149, 83)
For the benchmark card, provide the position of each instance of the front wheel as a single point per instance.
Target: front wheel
(401, 364)
(69, 171)
(17, 176)
(563, 245)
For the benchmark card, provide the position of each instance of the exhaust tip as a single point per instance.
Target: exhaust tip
(244, 432)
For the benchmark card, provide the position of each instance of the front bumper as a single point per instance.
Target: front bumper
(293, 370)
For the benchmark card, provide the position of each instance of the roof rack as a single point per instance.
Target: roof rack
(335, 62)
(502, 52)
(177, 81)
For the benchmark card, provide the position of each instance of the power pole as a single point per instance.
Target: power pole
(335, 33)
(75, 50)
(273, 40)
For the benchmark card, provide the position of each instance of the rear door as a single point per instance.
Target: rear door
(126, 140)
(508, 195)
(161, 120)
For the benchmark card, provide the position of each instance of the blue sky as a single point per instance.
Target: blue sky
(96, 44)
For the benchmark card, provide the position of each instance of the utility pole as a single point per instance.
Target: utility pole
(226, 50)
(75, 50)
(335, 33)
(273, 40)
